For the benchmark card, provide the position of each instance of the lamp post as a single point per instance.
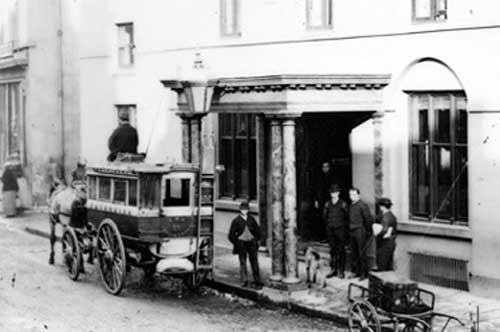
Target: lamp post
(194, 96)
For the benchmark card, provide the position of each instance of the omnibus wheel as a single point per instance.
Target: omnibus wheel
(72, 258)
(111, 256)
(194, 280)
(363, 317)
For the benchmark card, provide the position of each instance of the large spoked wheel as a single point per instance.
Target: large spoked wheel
(111, 256)
(194, 280)
(363, 317)
(72, 257)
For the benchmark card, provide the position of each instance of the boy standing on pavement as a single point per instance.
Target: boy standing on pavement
(335, 215)
(360, 227)
(244, 234)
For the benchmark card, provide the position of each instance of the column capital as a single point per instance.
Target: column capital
(191, 115)
(283, 116)
(378, 115)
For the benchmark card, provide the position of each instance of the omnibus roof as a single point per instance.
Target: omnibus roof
(133, 168)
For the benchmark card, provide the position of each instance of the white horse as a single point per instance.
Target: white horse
(66, 204)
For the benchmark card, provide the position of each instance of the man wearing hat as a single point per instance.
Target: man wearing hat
(244, 234)
(124, 138)
(335, 216)
(386, 238)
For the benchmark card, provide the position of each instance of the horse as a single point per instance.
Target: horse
(66, 207)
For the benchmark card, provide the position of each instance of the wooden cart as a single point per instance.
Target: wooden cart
(156, 217)
(392, 303)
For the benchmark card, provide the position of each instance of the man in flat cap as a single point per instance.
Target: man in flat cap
(244, 234)
(335, 216)
(124, 139)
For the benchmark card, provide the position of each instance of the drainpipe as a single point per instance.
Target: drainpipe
(61, 88)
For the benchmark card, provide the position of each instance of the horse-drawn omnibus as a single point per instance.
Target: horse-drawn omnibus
(156, 217)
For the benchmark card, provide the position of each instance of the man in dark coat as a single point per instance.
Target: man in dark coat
(124, 139)
(360, 227)
(321, 196)
(335, 215)
(386, 239)
(244, 234)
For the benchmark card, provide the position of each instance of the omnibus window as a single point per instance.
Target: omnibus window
(132, 192)
(120, 191)
(176, 192)
(92, 187)
(105, 189)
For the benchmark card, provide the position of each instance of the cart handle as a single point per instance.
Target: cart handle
(448, 319)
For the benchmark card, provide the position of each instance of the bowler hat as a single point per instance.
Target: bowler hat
(384, 201)
(335, 188)
(244, 206)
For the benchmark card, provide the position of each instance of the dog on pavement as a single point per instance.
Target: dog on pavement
(315, 268)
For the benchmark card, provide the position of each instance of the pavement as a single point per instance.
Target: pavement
(329, 302)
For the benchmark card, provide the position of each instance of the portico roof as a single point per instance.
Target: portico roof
(290, 93)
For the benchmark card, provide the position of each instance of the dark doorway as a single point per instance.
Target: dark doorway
(322, 137)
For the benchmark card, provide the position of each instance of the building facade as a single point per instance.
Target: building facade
(39, 114)
(398, 97)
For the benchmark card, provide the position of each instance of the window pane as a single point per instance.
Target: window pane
(315, 13)
(422, 129)
(125, 44)
(241, 166)
(120, 191)
(423, 8)
(225, 125)
(442, 107)
(461, 124)
(105, 189)
(241, 125)
(444, 182)
(227, 160)
(130, 110)
(92, 187)
(462, 184)
(229, 18)
(420, 193)
(177, 192)
(252, 168)
(132, 192)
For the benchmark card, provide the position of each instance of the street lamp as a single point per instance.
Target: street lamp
(193, 87)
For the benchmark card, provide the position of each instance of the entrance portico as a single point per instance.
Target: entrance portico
(280, 101)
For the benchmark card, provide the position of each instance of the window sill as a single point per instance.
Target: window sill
(234, 205)
(435, 230)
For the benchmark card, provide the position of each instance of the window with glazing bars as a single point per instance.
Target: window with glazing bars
(230, 17)
(438, 158)
(125, 44)
(319, 14)
(429, 10)
(238, 153)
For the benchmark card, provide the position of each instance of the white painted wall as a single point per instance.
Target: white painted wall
(274, 40)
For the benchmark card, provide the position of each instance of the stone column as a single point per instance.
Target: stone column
(378, 154)
(196, 140)
(277, 200)
(290, 202)
(186, 142)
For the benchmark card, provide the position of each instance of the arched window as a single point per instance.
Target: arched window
(438, 144)
(438, 158)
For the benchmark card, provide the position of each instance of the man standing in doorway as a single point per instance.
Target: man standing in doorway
(244, 234)
(124, 139)
(335, 215)
(360, 226)
(321, 196)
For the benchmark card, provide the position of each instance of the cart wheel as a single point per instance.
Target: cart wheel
(194, 280)
(363, 317)
(72, 258)
(111, 256)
